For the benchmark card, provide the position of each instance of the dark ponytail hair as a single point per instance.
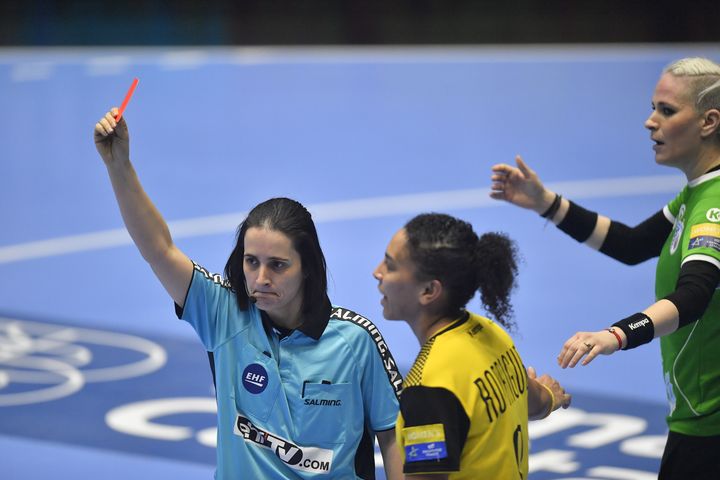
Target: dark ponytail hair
(293, 220)
(447, 249)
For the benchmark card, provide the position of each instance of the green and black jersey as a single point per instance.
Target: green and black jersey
(690, 355)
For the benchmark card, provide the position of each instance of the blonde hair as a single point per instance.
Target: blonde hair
(704, 80)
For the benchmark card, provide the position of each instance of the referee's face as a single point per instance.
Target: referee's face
(273, 275)
(397, 283)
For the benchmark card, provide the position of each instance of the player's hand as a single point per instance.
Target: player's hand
(586, 346)
(112, 139)
(562, 399)
(520, 186)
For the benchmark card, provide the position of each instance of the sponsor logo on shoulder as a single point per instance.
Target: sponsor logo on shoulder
(424, 442)
(306, 459)
(705, 235)
(713, 215)
(215, 277)
(255, 378)
(391, 368)
(678, 230)
(475, 330)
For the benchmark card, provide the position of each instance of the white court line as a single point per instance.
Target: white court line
(108, 65)
(375, 207)
(32, 71)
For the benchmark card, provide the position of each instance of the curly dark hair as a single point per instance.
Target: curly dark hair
(446, 248)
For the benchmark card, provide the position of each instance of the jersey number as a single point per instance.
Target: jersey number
(519, 445)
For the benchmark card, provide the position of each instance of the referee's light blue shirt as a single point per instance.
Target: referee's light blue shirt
(294, 407)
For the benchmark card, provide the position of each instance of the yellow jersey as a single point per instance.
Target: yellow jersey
(464, 410)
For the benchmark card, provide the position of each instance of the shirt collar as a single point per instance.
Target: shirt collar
(464, 316)
(713, 173)
(313, 326)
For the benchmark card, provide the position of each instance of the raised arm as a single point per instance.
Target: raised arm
(142, 220)
(521, 186)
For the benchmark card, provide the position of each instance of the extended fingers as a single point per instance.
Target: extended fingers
(575, 349)
(591, 354)
(562, 398)
(522, 166)
(501, 168)
(502, 175)
(497, 189)
(565, 399)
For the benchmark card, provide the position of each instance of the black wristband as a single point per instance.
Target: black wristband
(638, 329)
(553, 208)
(579, 223)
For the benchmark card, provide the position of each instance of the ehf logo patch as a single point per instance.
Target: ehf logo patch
(255, 378)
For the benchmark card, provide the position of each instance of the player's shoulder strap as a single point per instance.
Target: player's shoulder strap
(391, 367)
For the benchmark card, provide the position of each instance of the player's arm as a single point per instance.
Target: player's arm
(390, 454)
(686, 304)
(436, 476)
(432, 415)
(142, 220)
(521, 186)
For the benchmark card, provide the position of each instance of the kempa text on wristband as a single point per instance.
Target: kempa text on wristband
(638, 329)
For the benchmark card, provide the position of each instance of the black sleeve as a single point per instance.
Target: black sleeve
(422, 406)
(694, 290)
(637, 244)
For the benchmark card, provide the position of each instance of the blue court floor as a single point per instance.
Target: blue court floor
(98, 377)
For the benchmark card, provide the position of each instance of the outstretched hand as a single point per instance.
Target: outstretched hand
(112, 139)
(520, 186)
(588, 345)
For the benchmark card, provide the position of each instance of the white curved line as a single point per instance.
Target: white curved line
(74, 382)
(24, 351)
(136, 418)
(156, 356)
(35, 337)
(207, 437)
(675, 364)
(345, 210)
(18, 343)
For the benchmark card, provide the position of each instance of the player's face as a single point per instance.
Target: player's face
(273, 275)
(674, 124)
(396, 281)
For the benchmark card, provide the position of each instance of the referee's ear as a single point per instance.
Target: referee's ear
(432, 292)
